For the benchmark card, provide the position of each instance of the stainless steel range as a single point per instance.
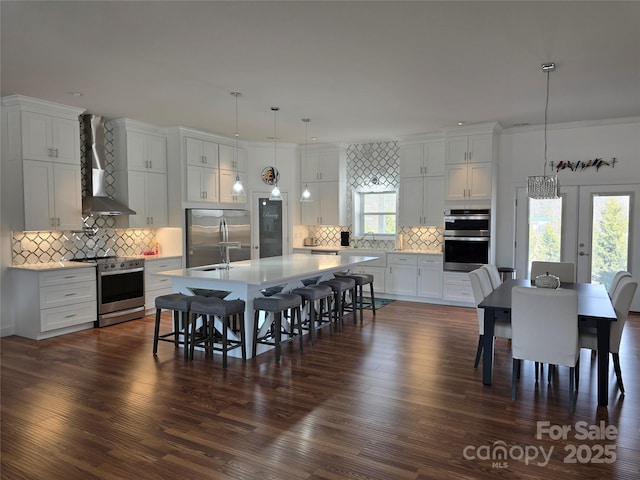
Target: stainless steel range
(120, 288)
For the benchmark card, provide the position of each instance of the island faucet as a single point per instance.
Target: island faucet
(228, 246)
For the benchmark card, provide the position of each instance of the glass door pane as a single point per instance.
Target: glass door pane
(609, 237)
(270, 227)
(545, 230)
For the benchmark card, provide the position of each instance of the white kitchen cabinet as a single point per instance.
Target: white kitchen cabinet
(227, 179)
(469, 182)
(143, 152)
(457, 287)
(469, 167)
(55, 302)
(50, 138)
(470, 149)
(401, 274)
(201, 153)
(202, 184)
(140, 173)
(52, 196)
(421, 201)
(227, 158)
(155, 285)
(422, 159)
(326, 207)
(320, 166)
(430, 276)
(41, 156)
(146, 194)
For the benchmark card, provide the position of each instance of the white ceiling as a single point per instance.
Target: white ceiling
(360, 70)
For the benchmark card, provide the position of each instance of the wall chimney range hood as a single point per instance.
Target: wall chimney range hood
(96, 202)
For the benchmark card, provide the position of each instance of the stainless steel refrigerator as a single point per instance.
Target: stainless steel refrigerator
(206, 229)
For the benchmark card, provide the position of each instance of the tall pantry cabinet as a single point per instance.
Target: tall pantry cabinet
(41, 172)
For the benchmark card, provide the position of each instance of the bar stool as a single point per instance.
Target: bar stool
(226, 312)
(310, 295)
(179, 304)
(276, 305)
(340, 287)
(361, 280)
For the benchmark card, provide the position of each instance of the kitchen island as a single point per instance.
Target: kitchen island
(248, 279)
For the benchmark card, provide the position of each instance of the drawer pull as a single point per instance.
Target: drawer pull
(69, 294)
(70, 276)
(70, 316)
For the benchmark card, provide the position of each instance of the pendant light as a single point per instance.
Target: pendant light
(237, 189)
(545, 186)
(275, 193)
(306, 194)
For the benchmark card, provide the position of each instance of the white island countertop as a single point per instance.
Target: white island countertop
(265, 271)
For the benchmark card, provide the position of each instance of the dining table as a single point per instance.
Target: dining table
(595, 310)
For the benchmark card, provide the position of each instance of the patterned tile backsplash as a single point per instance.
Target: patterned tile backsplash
(375, 167)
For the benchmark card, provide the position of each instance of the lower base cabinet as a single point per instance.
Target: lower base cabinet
(430, 276)
(402, 274)
(457, 287)
(155, 285)
(55, 302)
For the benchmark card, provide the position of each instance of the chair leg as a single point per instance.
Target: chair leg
(537, 367)
(156, 332)
(256, 330)
(514, 373)
(577, 374)
(184, 320)
(373, 300)
(225, 342)
(571, 389)
(616, 367)
(278, 333)
(296, 312)
(478, 351)
(361, 304)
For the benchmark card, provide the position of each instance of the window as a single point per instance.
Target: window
(545, 230)
(375, 212)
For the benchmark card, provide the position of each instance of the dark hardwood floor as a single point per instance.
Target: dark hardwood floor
(394, 398)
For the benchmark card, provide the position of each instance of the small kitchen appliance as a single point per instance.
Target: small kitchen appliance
(344, 239)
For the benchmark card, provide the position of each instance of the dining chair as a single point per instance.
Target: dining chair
(494, 275)
(616, 280)
(621, 300)
(566, 271)
(481, 286)
(544, 325)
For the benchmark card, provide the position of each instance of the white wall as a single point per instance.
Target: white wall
(522, 154)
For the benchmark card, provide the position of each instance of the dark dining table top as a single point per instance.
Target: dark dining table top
(593, 300)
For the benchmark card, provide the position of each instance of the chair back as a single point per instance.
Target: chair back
(494, 275)
(621, 300)
(544, 325)
(481, 286)
(616, 280)
(566, 271)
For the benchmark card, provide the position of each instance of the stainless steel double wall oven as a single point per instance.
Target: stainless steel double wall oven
(467, 235)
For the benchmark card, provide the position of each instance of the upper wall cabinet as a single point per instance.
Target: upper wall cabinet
(41, 164)
(200, 153)
(320, 166)
(140, 172)
(471, 165)
(232, 163)
(422, 159)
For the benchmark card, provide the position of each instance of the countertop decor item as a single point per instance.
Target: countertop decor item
(547, 281)
(544, 186)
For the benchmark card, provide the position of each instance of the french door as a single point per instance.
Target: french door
(595, 227)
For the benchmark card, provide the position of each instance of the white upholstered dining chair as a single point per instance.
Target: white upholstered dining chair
(616, 280)
(481, 286)
(621, 300)
(544, 325)
(494, 275)
(566, 271)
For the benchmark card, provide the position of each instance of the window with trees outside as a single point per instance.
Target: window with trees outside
(377, 213)
(545, 230)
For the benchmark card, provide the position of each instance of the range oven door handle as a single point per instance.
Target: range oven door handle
(120, 272)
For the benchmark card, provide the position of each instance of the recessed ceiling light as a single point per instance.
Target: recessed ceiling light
(313, 139)
(460, 124)
(76, 94)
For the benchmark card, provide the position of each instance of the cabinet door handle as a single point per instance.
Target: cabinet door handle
(55, 152)
(150, 163)
(50, 152)
(58, 221)
(151, 220)
(470, 155)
